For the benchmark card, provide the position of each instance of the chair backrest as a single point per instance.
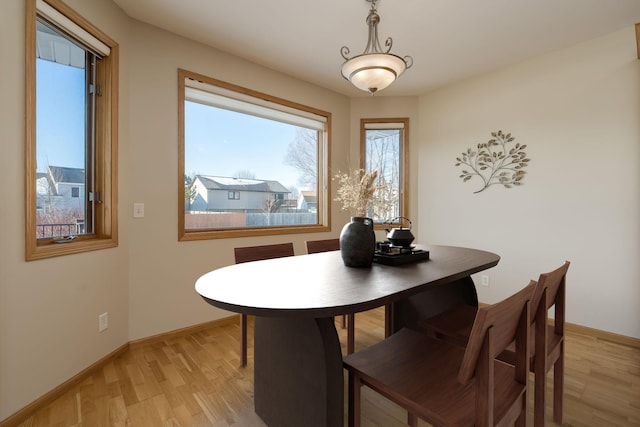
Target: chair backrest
(315, 246)
(550, 292)
(256, 253)
(494, 328)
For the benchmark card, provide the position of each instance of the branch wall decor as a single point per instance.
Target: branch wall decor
(494, 162)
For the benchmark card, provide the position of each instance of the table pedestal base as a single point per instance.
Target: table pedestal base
(408, 312)
(298, 372)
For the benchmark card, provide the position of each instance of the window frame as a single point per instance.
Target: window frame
(403, 158)
(323, 189)
(105, 233)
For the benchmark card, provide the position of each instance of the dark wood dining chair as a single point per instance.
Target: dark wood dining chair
(326, 245)
(446, 384)
(348, 320)
(547, 339)
(257, 253)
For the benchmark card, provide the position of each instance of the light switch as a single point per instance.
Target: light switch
(138, 210)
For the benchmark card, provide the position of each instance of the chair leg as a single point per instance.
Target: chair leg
(243, 340)
(521, 421)
(558, 386)
(350, 333)
(388, 314)
(354, 400)
(539, 393)
(344, 321)
(412, 420)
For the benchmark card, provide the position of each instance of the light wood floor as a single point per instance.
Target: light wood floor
(194, 380)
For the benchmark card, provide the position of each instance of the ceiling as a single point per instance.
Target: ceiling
(449, 40)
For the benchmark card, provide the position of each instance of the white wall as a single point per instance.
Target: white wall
(578, 111)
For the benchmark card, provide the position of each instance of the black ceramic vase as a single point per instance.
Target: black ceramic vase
(358, 242)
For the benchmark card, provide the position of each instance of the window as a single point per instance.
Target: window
(71, 133)
(284, 148)
(383, 148)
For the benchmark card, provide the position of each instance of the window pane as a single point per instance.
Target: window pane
(384, 149)
(245, 171)
(71, 135)
(61, 131)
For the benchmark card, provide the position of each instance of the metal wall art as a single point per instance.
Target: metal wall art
(494, 162)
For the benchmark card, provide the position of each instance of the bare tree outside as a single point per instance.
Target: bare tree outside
(382, 154)
(302, 154)
(271, 205)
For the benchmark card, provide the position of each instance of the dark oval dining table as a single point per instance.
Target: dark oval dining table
(298, 374)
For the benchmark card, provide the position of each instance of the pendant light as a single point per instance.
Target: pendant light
(374, 69)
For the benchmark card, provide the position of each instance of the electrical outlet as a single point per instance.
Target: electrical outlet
(103, 322)
(138, 210)
(485, 280)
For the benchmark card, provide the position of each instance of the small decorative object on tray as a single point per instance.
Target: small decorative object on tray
(389, 254)
(399, 236)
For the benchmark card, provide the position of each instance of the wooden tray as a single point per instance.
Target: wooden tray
(400, 258)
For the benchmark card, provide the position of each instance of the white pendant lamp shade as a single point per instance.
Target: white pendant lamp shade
(374, 69)
(373, 72)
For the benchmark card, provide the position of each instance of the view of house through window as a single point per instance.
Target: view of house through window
(250, 163)
(383, 149)
(64, 77)
(71, 115)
